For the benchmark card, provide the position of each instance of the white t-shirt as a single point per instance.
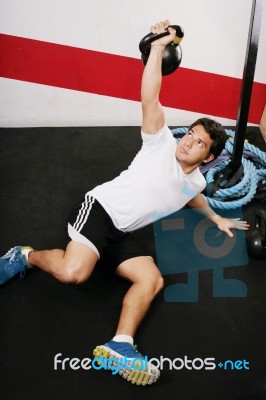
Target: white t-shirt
(153, 186)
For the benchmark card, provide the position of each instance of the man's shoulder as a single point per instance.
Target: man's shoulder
(160, 137)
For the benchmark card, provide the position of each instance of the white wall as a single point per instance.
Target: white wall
(215, 41)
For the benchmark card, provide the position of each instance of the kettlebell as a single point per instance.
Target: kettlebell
(172, 53)
(256, 239)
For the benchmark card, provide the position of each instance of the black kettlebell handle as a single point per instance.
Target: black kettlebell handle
(144, 45)
(260, 224)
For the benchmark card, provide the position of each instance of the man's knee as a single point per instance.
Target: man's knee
(158, 284)
(154, 283)
(78, 263)
(142, 271)
(74, 273)
(71, 276)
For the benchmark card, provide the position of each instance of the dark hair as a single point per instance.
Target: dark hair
(216, 133)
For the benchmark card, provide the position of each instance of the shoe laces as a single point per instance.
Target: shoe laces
(12, 254)
(136, 349)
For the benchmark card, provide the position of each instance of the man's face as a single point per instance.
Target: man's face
(194, 149)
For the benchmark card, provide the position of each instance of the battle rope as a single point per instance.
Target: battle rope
(254, 171)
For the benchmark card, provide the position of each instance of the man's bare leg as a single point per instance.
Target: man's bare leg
(146, 284)
(73, 265)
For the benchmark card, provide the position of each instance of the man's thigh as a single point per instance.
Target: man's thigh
(139, 269)
(80, 258)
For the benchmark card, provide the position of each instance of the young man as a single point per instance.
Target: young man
(163, 178)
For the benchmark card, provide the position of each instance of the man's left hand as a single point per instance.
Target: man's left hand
(226, 224)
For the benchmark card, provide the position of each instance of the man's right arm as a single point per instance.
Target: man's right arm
(152, 111)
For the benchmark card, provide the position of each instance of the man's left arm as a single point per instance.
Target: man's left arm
(224, 224)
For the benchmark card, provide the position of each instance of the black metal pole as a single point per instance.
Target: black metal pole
(231, 175)
(247, 83)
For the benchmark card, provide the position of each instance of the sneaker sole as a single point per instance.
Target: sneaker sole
(134, 376)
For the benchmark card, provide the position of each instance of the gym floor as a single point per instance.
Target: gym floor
(44, 171)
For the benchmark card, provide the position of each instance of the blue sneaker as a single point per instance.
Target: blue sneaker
(13, 262)
(124, 359)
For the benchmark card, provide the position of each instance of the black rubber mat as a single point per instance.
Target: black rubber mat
(44, 171)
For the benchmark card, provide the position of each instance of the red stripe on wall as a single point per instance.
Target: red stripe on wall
(117, 76)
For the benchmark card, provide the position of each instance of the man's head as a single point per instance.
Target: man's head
(203, 142)
(216, 133)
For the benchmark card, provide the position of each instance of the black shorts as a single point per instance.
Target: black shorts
(91, 225)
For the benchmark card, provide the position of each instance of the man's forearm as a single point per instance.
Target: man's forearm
(224, 224)
(152, 76)
(200, 205)
(153, 118)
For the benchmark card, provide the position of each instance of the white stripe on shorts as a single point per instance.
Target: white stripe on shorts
(84, 212)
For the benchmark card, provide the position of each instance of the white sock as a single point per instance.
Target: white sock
(123, 338)
(25, 251)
